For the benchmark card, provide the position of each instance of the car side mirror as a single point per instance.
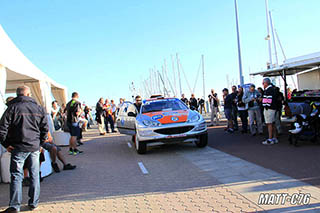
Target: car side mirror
(132, 114)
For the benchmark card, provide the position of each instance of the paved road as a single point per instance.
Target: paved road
(176, 179)
(302, 163)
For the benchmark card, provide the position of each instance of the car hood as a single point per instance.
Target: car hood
(169, 117)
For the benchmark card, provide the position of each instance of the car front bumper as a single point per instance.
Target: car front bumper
(151, 135)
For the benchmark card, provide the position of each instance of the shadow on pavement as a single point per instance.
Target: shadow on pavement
(301, 162)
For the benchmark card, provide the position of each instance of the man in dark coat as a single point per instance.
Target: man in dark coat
(23, 128)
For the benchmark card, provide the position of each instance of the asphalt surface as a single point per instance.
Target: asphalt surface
(302, 162)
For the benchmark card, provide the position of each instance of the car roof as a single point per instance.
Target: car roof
(155, 99)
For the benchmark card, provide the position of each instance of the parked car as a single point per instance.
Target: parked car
(161, 120)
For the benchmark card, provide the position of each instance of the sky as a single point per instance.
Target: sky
(99, 47)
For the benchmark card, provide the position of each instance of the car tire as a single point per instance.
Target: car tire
(203, 141)
(141, 146)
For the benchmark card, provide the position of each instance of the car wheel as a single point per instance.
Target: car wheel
(203, 141)
(141, 146)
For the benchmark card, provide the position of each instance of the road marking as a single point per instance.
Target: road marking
(143, 169)
(129, 145)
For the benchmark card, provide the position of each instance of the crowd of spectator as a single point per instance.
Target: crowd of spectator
(256, 108)
(263, 106)
(106, 114)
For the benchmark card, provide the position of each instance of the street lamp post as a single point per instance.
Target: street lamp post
(239, 47)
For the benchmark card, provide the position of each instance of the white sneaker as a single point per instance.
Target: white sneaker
(275, 140)
(268, 142)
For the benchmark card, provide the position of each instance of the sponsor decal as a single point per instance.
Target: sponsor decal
(157, 117)
(176, 136)
(174, 118)
(169, 116)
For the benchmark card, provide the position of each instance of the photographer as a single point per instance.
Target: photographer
(214, 106)
(202, 105)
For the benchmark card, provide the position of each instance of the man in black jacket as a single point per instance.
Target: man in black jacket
(269, 103)
(99, 116)
(234, 95)
(23, 128)
(193, 103)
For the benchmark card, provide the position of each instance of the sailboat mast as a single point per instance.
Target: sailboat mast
(179, 76)
(268, 36)
(273, 39)
(204, 87)
(238, 40)
(174, 76)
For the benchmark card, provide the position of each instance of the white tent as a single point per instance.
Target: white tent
(17, 70)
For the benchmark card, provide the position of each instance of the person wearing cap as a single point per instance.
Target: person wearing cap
(252, 98)
(269, 103)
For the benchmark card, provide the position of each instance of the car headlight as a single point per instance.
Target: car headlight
(150, 123)
(194, 118)
(201, 127)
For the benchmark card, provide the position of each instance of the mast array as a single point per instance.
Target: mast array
(165, 82)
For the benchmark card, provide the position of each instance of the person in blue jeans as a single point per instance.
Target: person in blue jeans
(108, 117)
(228, 102)
(23, 128)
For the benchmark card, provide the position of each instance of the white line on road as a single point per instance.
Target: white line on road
(129, 145)
(143, 169)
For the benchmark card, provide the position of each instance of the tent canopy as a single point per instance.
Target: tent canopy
(294, 66)
(20, 71)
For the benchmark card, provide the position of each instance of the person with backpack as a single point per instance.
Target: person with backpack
(74, 110)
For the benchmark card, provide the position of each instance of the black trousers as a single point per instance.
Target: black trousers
(107, 120)
(244, 119)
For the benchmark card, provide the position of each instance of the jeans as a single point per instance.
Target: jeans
(107, 120)
(235, 117)
(244, 119)
(278, 121)
(16, 169)
(255, 116)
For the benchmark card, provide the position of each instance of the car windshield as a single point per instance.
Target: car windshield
(163, 105)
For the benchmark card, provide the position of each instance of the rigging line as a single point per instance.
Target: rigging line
(195, 83)
(2, 97)
(170, 85)
(164, 86)
(184, 74)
